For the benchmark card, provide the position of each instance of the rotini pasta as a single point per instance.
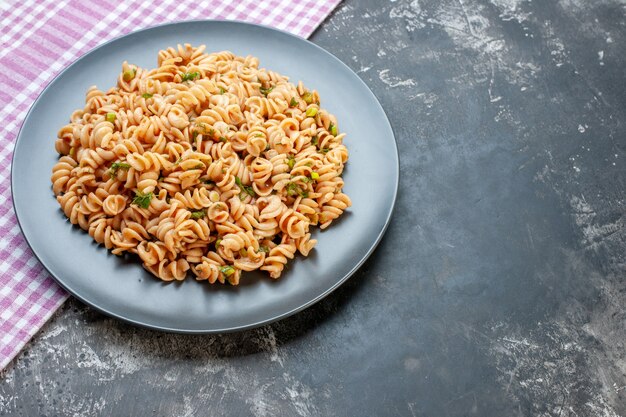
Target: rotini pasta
(206, 164)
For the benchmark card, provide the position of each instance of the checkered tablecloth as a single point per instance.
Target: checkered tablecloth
(39, 39)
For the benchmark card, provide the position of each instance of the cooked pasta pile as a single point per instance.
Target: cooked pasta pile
(205, 164)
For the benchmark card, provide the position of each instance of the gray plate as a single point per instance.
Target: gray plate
(119, 286)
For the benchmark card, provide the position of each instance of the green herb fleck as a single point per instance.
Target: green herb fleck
(264, 248)
(245, 188)
(293, 189)
(199, 166)
(72, 151)
(211, 133)
(311, 112)
(243, 252)
(222, 139)
(218, 242)
(227, 270)
(325, 150)
(194, 135)
(208, 181)
(266, 91)
(147, 95)
(110, 117)
(116, 166)
(291, 161)
(189, 76)
(198, 214)
(333, 129)
(293, 102)
(222, 91)
(129, 74)
(307, 97)
(314, 140)
(315, 176)
(142, 200)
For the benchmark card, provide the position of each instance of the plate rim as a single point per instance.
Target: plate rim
(232, 329)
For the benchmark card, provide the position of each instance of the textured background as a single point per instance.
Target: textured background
(499, 288)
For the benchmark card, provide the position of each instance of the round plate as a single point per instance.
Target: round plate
(119, 286)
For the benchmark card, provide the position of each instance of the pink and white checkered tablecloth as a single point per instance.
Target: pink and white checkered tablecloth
(40, 38)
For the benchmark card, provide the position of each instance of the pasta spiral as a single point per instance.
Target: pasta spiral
(206, 164)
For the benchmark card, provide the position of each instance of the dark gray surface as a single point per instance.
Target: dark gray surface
(499, 289)
(118, 285)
